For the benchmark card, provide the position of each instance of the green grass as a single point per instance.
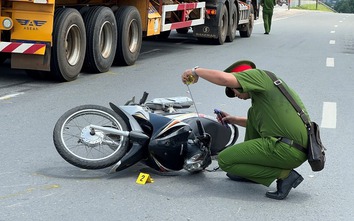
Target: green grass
(313, 7)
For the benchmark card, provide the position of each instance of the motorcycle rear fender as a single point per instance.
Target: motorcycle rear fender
(128, 119)
(136, 152)
(136, 133)
(134, 155)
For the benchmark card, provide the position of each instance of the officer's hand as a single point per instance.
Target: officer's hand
(189, 78)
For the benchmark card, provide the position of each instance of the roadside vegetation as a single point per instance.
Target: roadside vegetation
(320, 7)
(341, 6)
(344, 6)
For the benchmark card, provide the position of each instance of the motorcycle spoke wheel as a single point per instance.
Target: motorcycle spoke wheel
(89, 148)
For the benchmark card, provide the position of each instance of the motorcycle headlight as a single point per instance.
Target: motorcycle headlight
(194, 167)
(194, 163)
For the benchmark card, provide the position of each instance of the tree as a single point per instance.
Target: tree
(344, 6)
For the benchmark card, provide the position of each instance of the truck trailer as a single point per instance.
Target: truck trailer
(61, 38)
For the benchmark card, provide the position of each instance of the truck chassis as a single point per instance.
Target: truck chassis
(62, 38)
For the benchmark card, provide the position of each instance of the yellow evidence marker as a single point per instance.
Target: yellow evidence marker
(144, 178)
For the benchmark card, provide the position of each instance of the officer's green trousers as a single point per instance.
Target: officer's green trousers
(262, 160)
(267, 19)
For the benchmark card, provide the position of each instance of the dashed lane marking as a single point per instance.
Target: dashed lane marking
(329, 115)
(330, 62)
(6, 97)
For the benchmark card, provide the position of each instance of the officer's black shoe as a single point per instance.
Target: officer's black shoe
(284, 186)
(238, 178)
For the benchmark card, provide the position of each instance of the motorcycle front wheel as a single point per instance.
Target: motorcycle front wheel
(89, 148)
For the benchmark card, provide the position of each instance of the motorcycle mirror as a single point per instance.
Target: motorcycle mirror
(200, 128)
(144, 98)
(132, 101)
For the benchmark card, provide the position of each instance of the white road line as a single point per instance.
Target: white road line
(332, 32)
(329, 115)
(336, 26)
(10, 96)
(332, 42)
(330, 62)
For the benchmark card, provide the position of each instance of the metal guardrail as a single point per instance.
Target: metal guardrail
(296, 3)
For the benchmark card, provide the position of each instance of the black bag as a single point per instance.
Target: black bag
(315, 149)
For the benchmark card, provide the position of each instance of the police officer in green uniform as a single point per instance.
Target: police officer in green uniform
(268, 6)
(273, 128)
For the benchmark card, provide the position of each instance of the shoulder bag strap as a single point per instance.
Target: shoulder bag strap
(277, 82)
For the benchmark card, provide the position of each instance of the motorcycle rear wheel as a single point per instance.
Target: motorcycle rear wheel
(80, 146)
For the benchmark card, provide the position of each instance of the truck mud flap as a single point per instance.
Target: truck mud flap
(204, 31)
(210, 27)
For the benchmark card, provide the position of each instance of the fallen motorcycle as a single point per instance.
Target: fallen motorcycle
(161, 133)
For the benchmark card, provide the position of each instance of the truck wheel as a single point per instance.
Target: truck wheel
(101, 35)
(232, 27)
(223, 26)
(246, 31)
(69, 44)
(129, 35)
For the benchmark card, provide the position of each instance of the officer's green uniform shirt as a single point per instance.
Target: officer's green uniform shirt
(261, 157)
(271, 114)
(268, 5)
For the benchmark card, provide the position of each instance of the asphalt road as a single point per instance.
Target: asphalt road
(312, 51)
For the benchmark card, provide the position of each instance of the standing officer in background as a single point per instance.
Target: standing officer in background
(267, 6)
(274, 131)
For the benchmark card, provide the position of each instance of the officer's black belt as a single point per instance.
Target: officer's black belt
(293, 144)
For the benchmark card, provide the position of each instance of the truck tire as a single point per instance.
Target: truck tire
(129, 35)
(246, 31)
(223, 26)
(232, 27)
(69, 44)
(101, 39)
